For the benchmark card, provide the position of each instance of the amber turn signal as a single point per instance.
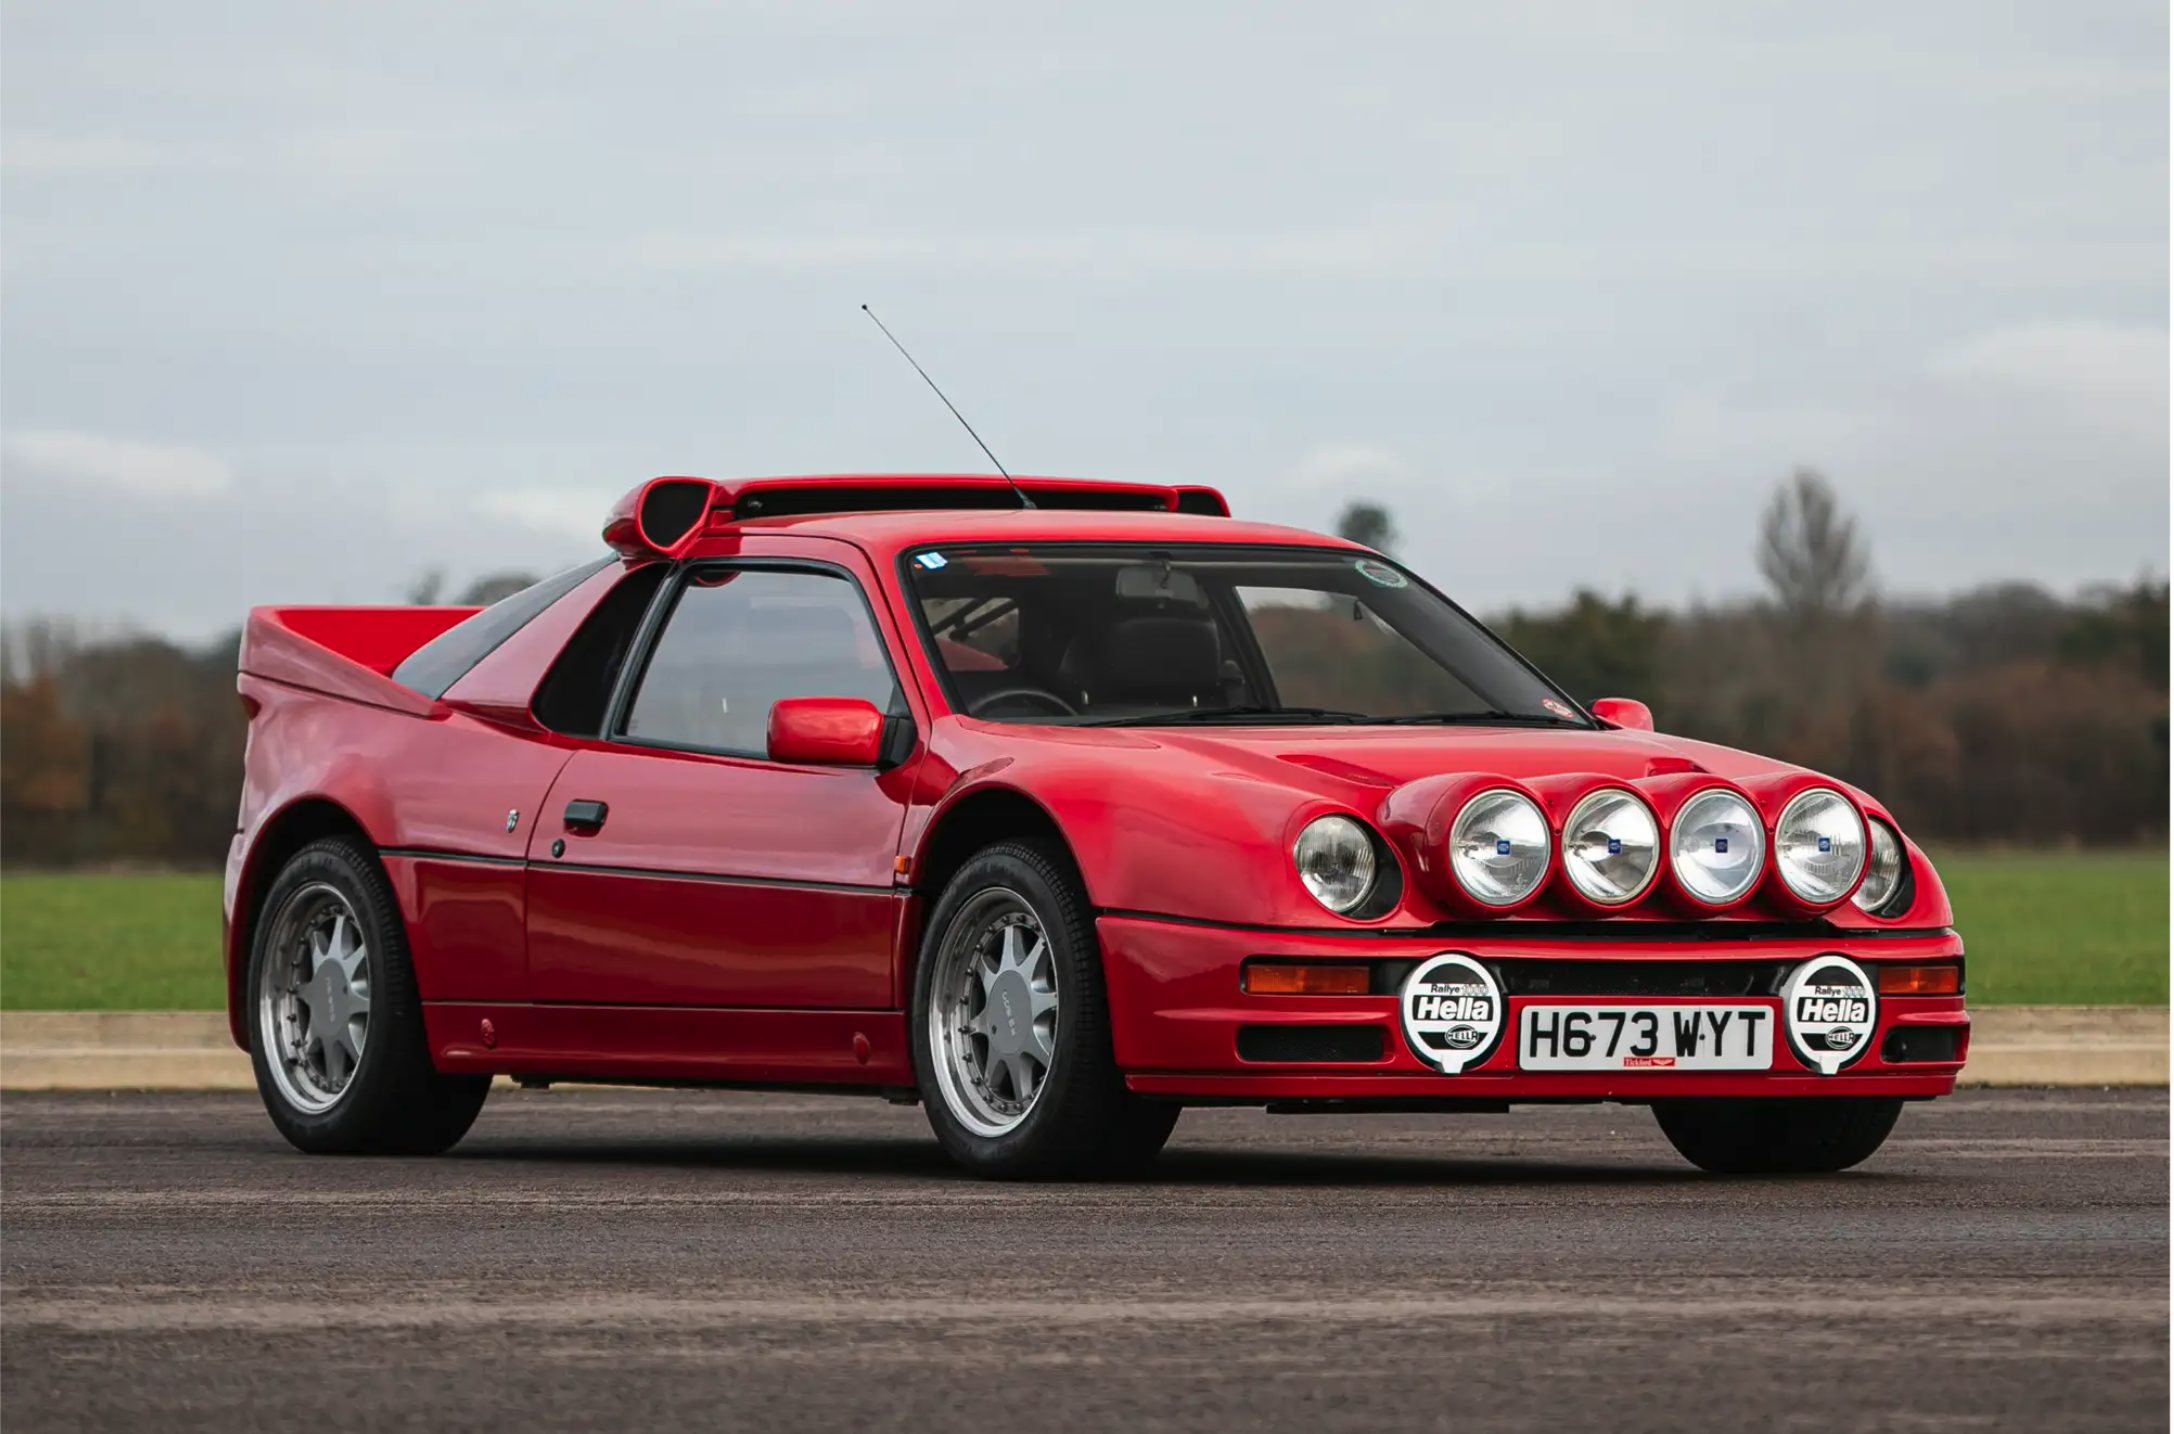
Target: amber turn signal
(1920, 980)
(1289, 978)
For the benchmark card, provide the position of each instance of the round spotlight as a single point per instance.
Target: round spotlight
(1819, 845)
(1498, 847)
(1717, 846)
(1611, 846)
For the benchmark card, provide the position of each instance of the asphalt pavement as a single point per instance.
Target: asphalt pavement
(593, 1259)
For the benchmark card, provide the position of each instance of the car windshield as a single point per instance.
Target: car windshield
(1085, 634)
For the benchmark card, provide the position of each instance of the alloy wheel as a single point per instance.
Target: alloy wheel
(993, 1008)
(313, 998)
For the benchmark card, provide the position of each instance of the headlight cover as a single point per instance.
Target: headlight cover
(1498, 847)
(1335, 859)
(1819, 845)
(1883, 871)
(1717, 846)
(1611, 846)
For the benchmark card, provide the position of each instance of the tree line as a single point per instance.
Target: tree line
(2001, 715)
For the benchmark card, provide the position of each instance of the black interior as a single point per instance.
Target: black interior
(576, 691)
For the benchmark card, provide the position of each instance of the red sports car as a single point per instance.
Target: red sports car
(1056, 819)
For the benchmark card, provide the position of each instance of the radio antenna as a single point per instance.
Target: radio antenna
(1017, 491)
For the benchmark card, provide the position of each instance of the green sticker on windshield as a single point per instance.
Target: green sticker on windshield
(1379, 574)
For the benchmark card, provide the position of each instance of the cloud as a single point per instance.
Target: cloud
(58, 458)
(2113, 374)
(575, 513)
(1339, 464)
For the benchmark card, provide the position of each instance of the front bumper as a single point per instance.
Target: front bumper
(1177, 1008)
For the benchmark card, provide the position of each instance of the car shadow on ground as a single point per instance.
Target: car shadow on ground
(1177, 1168)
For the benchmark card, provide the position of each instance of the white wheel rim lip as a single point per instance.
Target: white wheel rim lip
(955, 1055)
(305, 1084)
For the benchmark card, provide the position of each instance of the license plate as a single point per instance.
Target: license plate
(1633, 1038)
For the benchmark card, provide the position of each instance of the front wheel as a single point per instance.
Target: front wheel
(335, 1023)
(1011, 1033)
(1800, 1135)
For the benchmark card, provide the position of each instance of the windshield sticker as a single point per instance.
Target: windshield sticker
(1379, 574)
(931, 561)
(1560, 709)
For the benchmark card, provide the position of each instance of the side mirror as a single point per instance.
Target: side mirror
(1626, 712)
(826, 732)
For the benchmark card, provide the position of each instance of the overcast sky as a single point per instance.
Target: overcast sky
(298, 301)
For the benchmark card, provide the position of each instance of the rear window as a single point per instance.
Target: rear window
(446, 658)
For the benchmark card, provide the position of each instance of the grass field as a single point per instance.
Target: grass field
(110, 943)
(2041, 927)
(2046, 928)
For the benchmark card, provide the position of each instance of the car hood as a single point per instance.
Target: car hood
(1176, 820)
(1339, 758)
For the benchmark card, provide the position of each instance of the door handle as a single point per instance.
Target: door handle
(586, 816)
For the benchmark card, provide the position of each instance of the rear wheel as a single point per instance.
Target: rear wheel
(1011, 1036)
(336, 1028)
(1777, 1136)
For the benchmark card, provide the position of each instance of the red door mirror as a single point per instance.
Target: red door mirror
(826, 731)
(1624, 712)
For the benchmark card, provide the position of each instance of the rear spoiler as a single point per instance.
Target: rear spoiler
(669, 515)
(345, 652)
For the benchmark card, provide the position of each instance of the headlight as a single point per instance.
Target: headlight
(1611, 846)
(1498, 847)
(1819, 845)
(1336, 862)
(1883, 870)
(1717, 846)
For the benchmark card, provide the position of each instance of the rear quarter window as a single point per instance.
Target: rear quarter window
(446, 658)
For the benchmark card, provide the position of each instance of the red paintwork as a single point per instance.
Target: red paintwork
(625, 530)
(1176, 1005)
(835, 731)
(742, 919)
(344, 652)
(1624, 712)
(500, 687)
(673, 1043)
(651, 934)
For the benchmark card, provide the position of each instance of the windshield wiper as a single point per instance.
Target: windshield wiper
(1487, 717)
(1247, 713)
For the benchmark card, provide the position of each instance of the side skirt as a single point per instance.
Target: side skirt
(670, 1043)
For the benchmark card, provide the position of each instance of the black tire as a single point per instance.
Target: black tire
(394, 1101)
(1083, 1123)
(1789, 1135)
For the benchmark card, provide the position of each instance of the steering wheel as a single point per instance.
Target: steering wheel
(980, 705)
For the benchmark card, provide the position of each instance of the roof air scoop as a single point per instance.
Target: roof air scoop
(662, 517)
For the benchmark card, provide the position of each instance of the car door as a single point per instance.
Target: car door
(676, 864)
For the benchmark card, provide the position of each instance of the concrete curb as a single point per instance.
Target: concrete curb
(191, 1050)
(2067, 1045)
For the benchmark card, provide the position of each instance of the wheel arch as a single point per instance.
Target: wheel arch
(969, 822)
(295, 826)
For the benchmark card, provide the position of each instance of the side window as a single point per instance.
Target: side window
(739, 640)
(576, 692)
(975, 634)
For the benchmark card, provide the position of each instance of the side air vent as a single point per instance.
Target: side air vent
(671, 508)
(1906, 1045)
(1310, 1045)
